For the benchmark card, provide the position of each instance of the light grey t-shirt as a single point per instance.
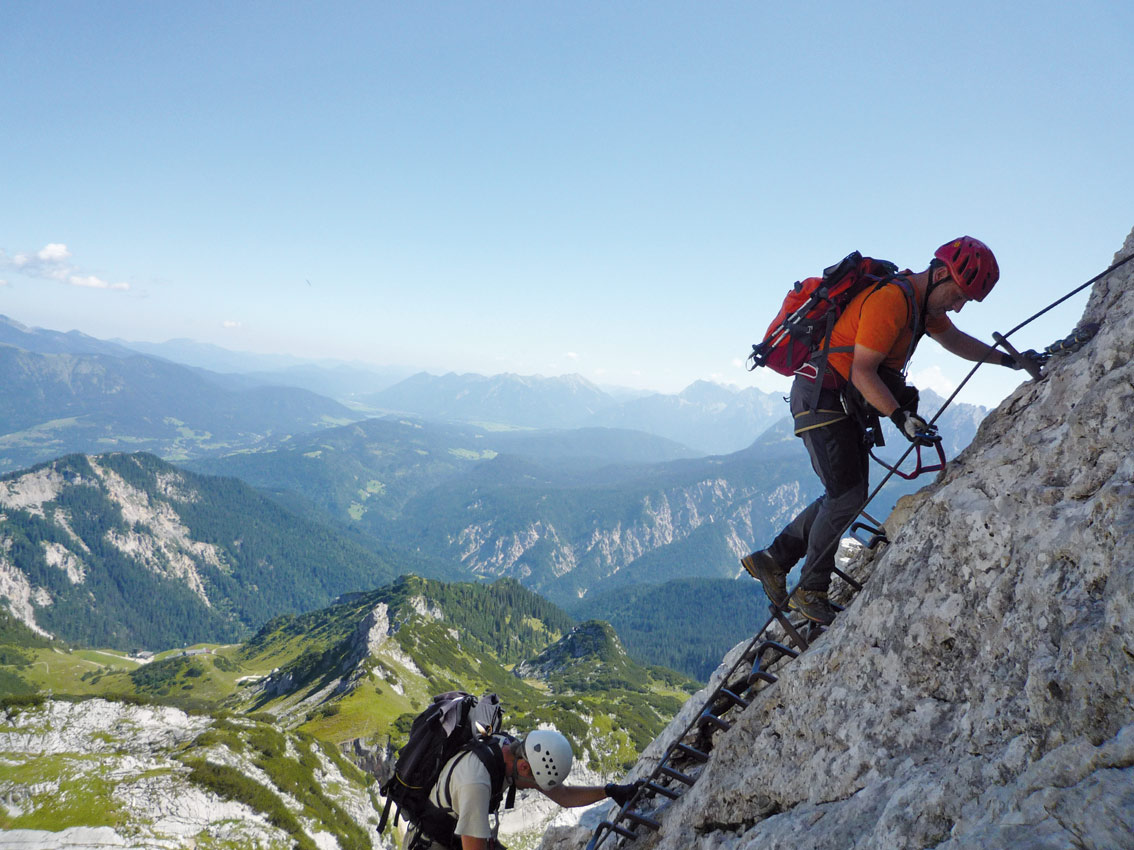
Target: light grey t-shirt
(470, 784)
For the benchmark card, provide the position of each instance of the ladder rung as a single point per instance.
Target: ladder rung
(733, 698)
(648, 823)
(848, 579)
(676, 774)
(621, 830)
(775, 646)
(792, 631)
(758, 675)
(692, 752)
(708, 718)
(663, 790)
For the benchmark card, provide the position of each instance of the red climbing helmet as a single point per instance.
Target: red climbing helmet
(971, 264)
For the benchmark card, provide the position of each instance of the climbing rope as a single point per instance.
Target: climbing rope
(670, 777)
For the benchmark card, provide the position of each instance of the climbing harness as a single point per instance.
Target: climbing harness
(683, 761)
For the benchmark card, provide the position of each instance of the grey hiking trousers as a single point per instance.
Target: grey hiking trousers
(840, 457)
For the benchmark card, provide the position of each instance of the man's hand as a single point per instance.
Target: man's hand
(1031, 355)
(622, 794)
(914, 428)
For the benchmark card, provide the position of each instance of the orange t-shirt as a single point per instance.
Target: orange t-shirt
(880, 320)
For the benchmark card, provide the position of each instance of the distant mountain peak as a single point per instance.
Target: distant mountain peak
(587, 647)
(707, 392)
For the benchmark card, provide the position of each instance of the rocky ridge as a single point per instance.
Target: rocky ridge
(128, 552)
(164, 549)
(116, 775)
(977, 692)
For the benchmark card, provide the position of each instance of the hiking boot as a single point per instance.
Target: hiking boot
(813, 605)
(766, 571)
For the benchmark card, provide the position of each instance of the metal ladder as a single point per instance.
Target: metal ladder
(685, 759)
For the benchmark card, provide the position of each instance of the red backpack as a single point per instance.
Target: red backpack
(810, 310)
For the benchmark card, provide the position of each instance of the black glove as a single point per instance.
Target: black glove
(622, 794)
(1031, 355)
(914, 428)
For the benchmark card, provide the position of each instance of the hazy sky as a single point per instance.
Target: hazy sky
(620, 189)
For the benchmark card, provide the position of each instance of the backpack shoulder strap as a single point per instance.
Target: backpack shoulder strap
(490, 754)
(914, 310)
(915, 313)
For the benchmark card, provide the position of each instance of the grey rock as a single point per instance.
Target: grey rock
(977, 692)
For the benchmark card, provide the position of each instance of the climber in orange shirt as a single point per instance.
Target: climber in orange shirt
(870, 346)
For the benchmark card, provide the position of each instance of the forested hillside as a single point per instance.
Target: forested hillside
(686, 624)
(126, 551)
(381, 652)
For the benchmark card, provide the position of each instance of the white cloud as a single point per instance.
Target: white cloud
(92, 282)
(571, 355)
(231, 324)
(54, 252)
(934, 379)
(52, 262)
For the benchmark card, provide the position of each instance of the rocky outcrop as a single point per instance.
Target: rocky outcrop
(151, 533)
(977, 693)
(129, 776)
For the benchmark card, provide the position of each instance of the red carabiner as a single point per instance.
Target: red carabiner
(937, 467)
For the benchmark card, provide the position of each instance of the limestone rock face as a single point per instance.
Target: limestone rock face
(977, 693)
(96, 774)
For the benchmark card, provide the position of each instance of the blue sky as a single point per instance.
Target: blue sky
(623, 189)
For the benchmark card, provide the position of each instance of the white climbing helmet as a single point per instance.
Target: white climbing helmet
(549, 755)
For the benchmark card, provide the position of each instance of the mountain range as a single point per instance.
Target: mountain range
(707, 417)
(183, 399)
(555, 510)
(129, 552)
(576, 513)
(69, 393)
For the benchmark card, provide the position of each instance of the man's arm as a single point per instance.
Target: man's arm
(970, 348)
(864, 375)
(470, 843)
(570, 796)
